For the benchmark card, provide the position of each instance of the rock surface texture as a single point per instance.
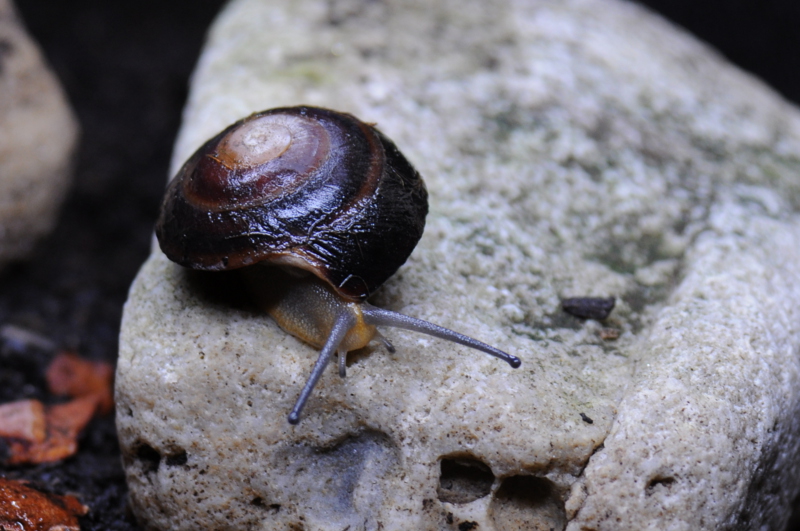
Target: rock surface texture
(38, 137)
(573, 148)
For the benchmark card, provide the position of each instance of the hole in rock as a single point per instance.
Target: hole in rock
(177, 459)
(463, 480)
(744, 519)
(467, 526)
(327, 480)
(149, 457)
(258, 501)
(665, 482)
(528, 503)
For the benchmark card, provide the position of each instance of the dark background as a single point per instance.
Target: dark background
(125, 66)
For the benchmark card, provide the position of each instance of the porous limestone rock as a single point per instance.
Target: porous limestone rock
(571, 148)
(38, 138)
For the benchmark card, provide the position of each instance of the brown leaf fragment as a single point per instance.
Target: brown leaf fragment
(24, 419)
(71, 375)
(64, 424)
(609, 334)
(38, 434)
(23, 508)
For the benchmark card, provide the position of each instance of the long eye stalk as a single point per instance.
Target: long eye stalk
(344, 322)
(380, 317)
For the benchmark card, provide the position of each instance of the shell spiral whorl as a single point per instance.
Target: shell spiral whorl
(301, 186)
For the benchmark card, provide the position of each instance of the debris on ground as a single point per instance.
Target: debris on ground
(25, 508)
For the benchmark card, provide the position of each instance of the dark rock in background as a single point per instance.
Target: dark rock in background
(125, 67)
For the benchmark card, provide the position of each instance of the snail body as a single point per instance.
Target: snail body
(307, 307)
(318, 210)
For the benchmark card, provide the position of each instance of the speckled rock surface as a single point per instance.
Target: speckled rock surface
(570, 148)
(38, 137)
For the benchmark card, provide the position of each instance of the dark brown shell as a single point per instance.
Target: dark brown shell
(302, 186)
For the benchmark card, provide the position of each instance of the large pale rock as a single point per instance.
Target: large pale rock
(38, 137)
(581, 147)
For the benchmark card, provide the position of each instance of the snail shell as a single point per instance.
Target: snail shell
(302, 186)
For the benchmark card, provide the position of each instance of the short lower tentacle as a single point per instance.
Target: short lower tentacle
(343, 363)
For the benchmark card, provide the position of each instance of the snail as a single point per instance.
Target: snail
(317, 209)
